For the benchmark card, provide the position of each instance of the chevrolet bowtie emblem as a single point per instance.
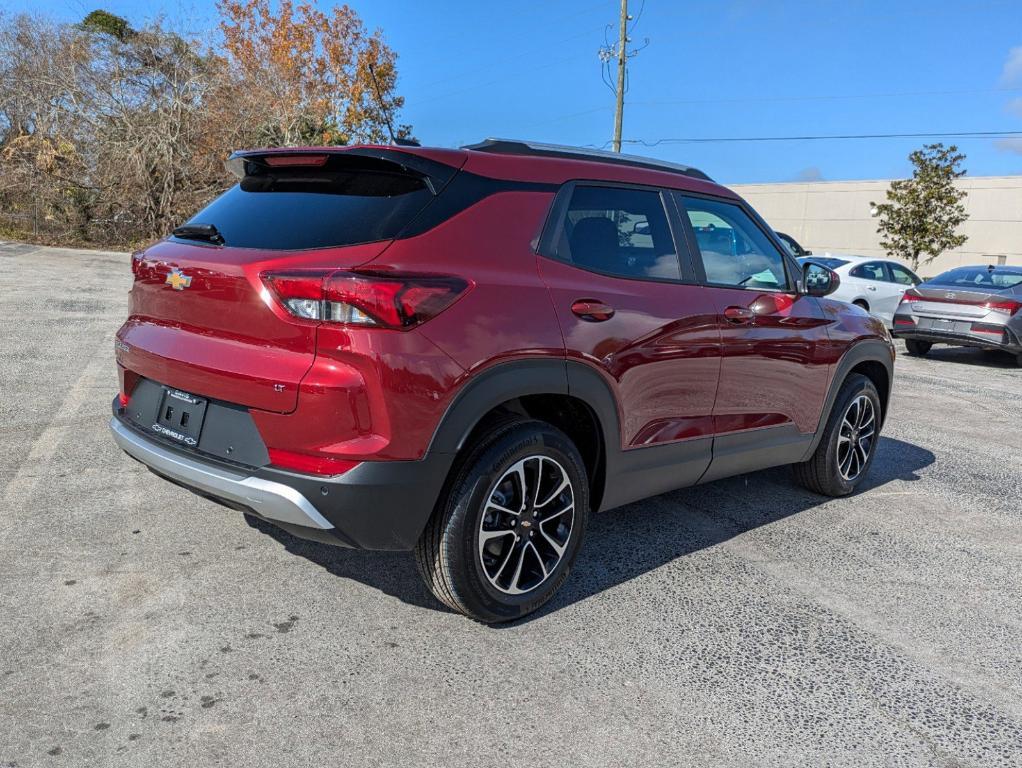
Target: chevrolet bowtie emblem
(178, 280)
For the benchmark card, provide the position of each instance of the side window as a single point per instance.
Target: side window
(734, 250)
(871, 270)
(620, 232)
(902, 275)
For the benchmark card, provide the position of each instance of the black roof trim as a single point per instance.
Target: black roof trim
(535, 149)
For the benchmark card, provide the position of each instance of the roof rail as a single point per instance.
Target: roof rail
(519, 147)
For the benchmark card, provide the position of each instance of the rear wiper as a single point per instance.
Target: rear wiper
(207, 232)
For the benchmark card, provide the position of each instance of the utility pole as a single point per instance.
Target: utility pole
(622, 58)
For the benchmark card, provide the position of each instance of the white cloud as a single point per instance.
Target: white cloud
(1009, 145)
(812, 173)
(1012, 72)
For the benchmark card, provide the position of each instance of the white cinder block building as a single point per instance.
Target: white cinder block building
(835, 216)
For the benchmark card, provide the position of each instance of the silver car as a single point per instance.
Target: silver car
(966, 306)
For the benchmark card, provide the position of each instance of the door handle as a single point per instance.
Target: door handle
(739, 315)
(592, 310)
(871, 287)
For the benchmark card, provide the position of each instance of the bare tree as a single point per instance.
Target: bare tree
(113, 135)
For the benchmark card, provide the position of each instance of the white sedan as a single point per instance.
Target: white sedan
(876, 285)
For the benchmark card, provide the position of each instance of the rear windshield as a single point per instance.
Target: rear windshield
(828, 261)
(348, 201)
(979, 278)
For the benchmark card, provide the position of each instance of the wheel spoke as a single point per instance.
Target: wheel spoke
(516, 579)
(486, 536)
(539, 557)
(499, 508)
(845, 464)
(558, 548)
(503, 565)
(564, 484)
(548, 518)
(523, 487)
(539, 480)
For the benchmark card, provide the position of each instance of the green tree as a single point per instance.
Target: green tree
(921, 217)
(107, 23)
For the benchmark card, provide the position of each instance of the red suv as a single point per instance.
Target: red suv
(465, 352)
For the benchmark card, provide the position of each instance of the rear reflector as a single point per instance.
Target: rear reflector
(366, 299)
(904, 321)
(123, 400)
(304, 462)
(993, 330)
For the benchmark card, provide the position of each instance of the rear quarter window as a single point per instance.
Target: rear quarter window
(343, 203)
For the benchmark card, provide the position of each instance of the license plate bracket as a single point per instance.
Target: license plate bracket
(180, 416)
(942, 325)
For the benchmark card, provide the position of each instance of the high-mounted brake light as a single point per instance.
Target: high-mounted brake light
(295, 161)
(363, 298)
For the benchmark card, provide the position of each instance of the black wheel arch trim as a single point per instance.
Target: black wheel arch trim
(864, 351)
(649, 470)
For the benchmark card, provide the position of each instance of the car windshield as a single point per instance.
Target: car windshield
(980, 278)
(828, 261)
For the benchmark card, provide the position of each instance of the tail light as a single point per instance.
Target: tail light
(911, 295)
(1011, 307)
(364, 298)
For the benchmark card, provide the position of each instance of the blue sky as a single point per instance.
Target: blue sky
(723, 69)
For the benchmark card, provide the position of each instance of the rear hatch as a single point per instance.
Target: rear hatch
(937, 301)
(201, 318)
(966, 300)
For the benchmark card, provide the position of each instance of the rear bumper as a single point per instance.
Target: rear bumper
(1008, 342)
(377, 505)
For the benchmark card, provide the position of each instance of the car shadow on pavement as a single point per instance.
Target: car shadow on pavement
(630, 541)
(987, 358)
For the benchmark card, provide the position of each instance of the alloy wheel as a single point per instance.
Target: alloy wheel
(526, 525)
(856, 437)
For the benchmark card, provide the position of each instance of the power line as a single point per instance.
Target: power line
(731, 139)
(767, 99)
(826, 97)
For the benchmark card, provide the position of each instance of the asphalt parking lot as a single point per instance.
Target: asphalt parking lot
(742, 623)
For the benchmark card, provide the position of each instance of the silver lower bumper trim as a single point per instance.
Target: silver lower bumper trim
(274, 501)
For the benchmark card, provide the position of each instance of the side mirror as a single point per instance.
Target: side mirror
(818, 280)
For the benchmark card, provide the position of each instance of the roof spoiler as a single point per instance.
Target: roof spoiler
(249, 162)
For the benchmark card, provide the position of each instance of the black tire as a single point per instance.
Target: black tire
(917, 348)
(862, 304)
(1018, 359)
(822, 473)
(449, 555)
